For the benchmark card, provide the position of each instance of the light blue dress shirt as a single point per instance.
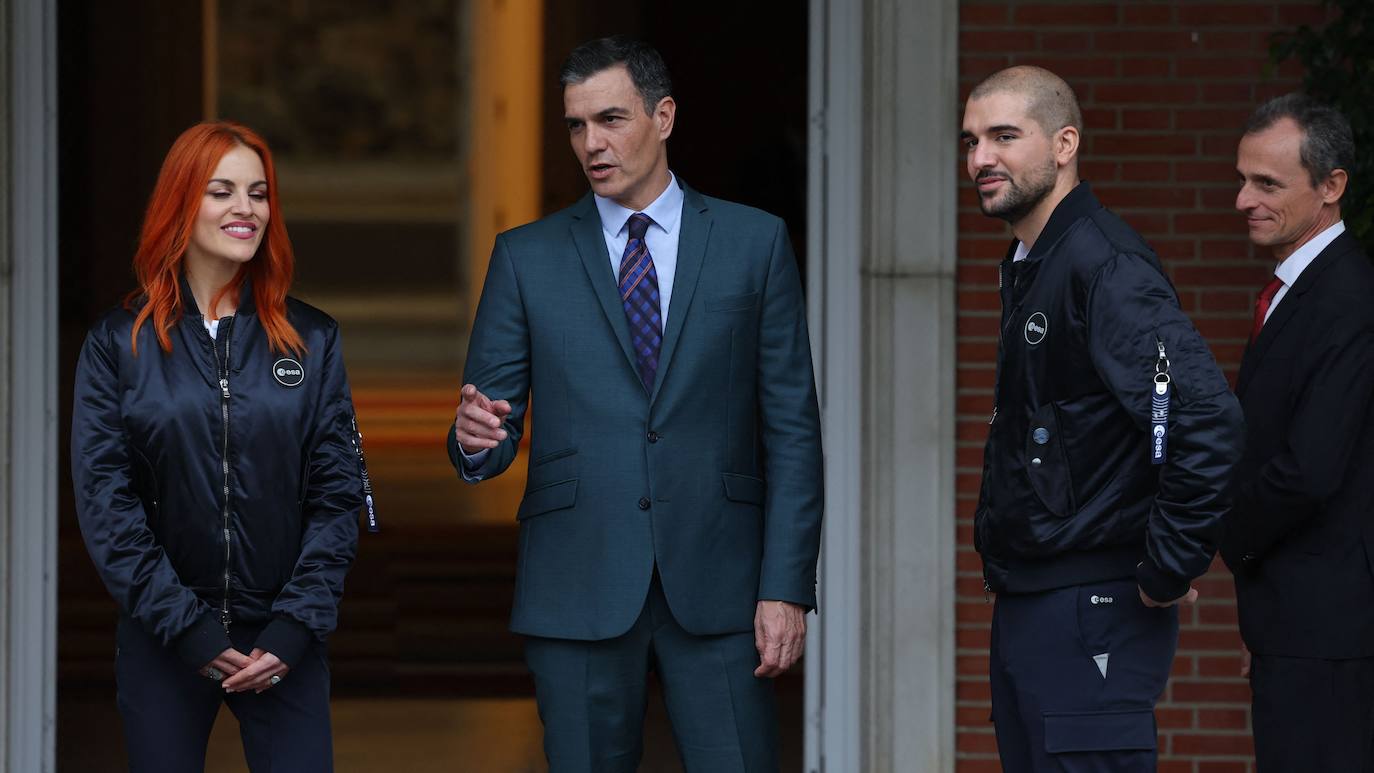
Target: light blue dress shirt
(662, 236)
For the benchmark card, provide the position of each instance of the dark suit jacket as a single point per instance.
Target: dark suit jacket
(1301, 534)
(713, 476)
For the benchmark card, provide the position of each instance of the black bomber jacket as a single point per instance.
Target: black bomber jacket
(221, 482)
(1070, 491)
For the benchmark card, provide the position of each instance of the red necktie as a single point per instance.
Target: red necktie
(1266, 297)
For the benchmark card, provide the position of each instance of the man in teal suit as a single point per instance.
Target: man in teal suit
(672, 516)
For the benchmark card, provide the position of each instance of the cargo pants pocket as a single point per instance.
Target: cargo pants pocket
(1121, 740)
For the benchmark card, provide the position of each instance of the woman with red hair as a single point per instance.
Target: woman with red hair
(218, 471)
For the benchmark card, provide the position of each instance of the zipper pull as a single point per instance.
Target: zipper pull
(224, 387)
(987, 591)
(1162, 364)
(1162, 377)
(994, 416)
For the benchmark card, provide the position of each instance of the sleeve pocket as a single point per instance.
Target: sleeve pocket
(1100, 731)
(741, 302)
(743, 488)
(1192, 367)
(555, 496)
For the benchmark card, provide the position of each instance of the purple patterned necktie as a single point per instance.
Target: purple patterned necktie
(639, 296)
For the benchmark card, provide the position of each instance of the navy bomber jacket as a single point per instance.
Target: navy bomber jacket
(1070, 492)
(218, 483)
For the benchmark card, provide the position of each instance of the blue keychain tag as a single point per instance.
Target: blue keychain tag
(1159, 409)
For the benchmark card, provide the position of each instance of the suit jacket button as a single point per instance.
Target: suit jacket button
(643, 503)
(653, 436)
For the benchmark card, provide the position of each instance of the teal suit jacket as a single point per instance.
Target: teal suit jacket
(713, 476)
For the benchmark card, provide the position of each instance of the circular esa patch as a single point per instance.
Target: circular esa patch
(1036, 328)
(288, 372)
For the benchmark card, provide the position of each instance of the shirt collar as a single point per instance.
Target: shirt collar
(1021, 252)
(1293, 265)
(665, 211)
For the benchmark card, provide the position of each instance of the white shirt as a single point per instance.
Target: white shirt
(1021, 253)
(662, 236)
(211, 327)
(1292, 266)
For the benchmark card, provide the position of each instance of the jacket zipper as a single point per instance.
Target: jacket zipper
(224, 617)
(1010, 305)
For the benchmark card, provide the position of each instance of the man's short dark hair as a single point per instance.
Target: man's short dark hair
(1327, 141)
(647, 70)
(1049, 100)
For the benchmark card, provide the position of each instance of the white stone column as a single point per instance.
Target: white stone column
(881, 277)
(5, 271)
(28, 386)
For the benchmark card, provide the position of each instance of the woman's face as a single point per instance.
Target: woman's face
(233, 212)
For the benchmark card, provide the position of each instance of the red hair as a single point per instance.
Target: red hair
(167, 226)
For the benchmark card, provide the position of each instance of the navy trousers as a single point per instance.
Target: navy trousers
(1075, 676)
(1312, 715)
(169, 709)
(592, 697)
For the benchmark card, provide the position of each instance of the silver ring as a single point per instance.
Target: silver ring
(274, 680)
(214, 673)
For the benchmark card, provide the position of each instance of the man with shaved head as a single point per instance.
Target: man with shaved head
(1112, 440)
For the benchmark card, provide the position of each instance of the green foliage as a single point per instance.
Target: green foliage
(1339, 69)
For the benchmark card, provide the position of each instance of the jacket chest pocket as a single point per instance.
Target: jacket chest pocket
(737, 302)
(1047, 464)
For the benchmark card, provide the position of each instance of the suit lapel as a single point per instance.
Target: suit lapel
(1254, 353)
(591, 246)
(691, 253)
(1288, 306)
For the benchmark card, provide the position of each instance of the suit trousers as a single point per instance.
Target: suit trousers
(168, 709)
(592, 697)
(1312, 715)
(1075, 676)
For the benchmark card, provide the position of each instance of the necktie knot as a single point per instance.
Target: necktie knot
(639, 225)
(1266, 295)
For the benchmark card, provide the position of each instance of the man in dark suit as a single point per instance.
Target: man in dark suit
(672, 516)
(1301, 535)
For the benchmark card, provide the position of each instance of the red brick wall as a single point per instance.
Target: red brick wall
(1164, 88)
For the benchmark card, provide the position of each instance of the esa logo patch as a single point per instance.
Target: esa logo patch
(1036, 328)
(288, 372)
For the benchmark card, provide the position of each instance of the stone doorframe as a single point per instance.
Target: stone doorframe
(881, 276)
(28, 385)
